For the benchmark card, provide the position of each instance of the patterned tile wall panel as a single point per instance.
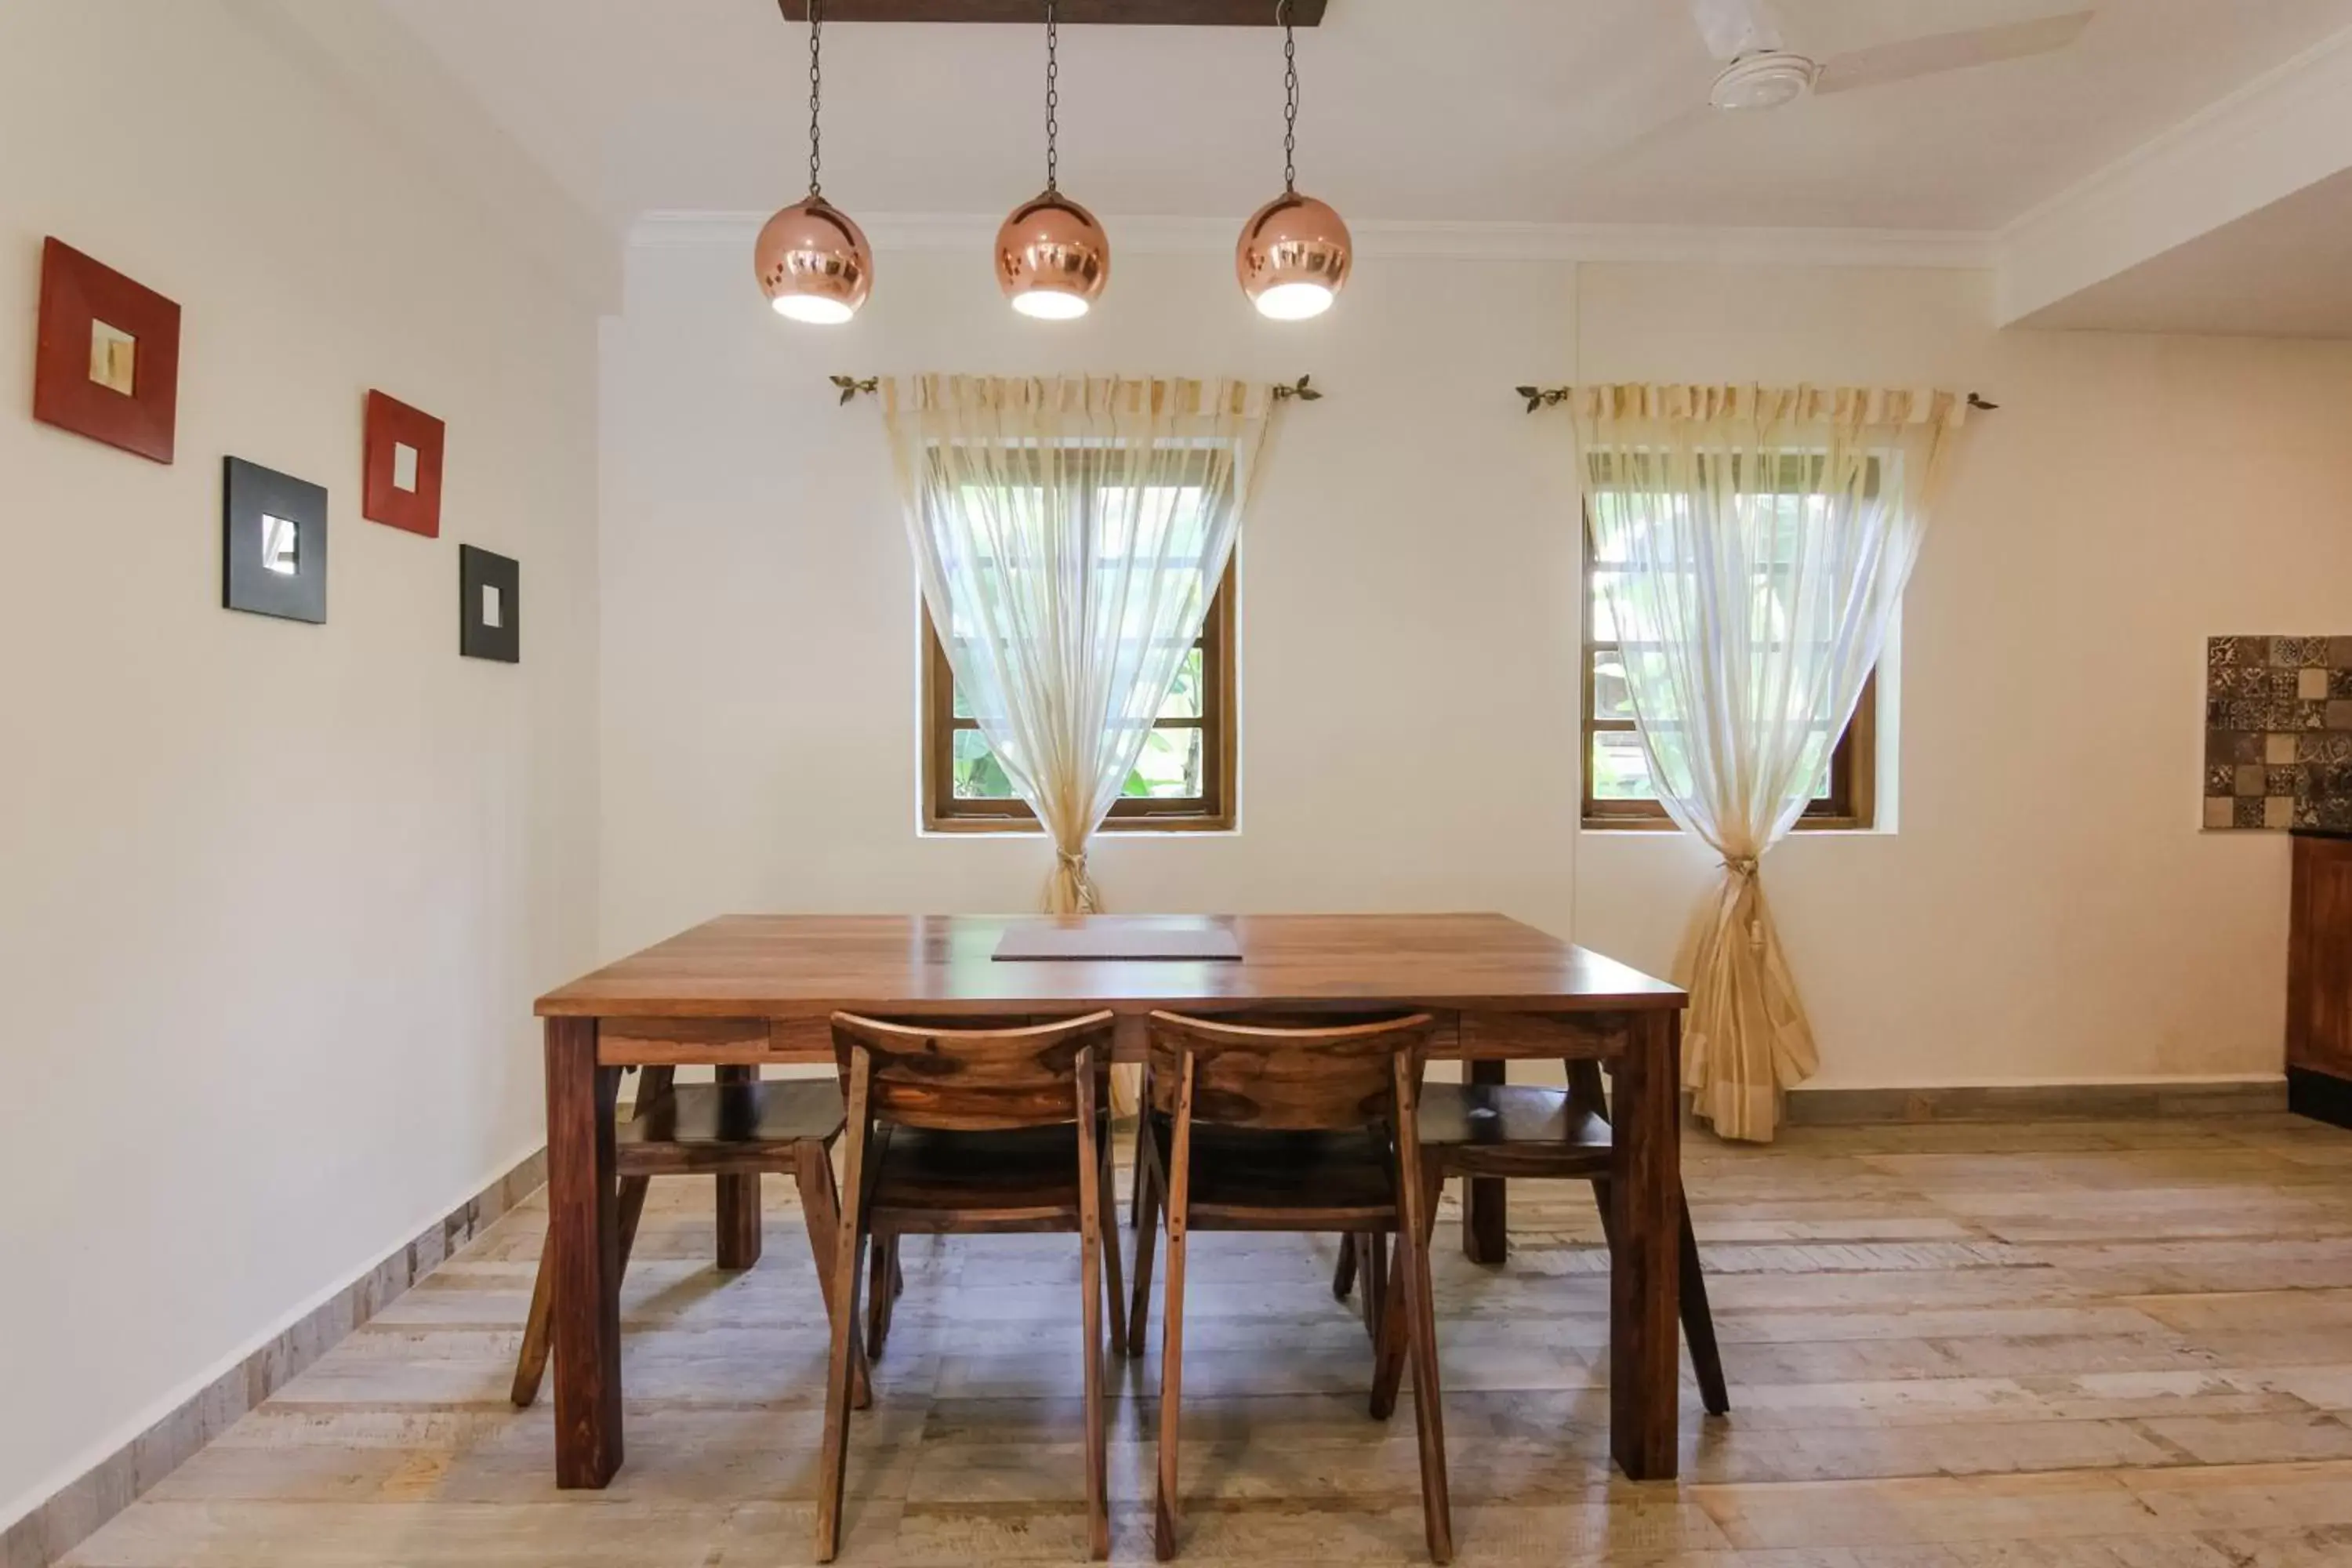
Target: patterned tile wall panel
(2278, 732)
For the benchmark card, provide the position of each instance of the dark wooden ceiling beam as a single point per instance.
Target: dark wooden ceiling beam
(1111, 13)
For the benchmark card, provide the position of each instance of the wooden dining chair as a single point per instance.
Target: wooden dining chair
(974, 1132)
(1499, 1130)
(736, 1128)
(1280, 1129)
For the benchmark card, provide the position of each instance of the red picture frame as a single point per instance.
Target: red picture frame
(402, 492)
(107, 360)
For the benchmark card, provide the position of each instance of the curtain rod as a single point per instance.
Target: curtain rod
(1545, 396)
(1302, 389)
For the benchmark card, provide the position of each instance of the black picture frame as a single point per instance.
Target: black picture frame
(265, 569)
(489, 606)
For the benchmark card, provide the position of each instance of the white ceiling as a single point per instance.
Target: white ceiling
(1544, 110)
(2280, 271)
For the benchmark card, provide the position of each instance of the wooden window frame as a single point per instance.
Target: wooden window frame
(1212, 810)
(1851, 803)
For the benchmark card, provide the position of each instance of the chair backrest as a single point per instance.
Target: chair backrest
(1308, 1078)
(920, 1075)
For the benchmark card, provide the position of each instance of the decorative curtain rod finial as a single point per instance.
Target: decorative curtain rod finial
(1298, 389)
(851, 385)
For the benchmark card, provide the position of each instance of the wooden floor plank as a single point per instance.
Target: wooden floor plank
(2093, 1344)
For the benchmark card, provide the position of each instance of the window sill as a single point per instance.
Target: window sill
(1637, 826)
(1182, 828)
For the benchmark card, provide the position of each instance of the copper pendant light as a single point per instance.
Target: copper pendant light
(1294, 251)
(813, 263)
(1052, 258)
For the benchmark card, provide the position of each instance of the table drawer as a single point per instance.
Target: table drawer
(1495, 1037)
(656, 1042)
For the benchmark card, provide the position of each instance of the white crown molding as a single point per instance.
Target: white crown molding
(1468, 241)
(2286, 129)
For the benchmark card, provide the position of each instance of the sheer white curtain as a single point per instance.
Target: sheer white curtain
(1752, 544)
(1070, 534)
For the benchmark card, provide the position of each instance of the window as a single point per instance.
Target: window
(1183, 780)
(1617, 789)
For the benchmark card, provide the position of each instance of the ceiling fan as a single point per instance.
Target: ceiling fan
(1760, 71)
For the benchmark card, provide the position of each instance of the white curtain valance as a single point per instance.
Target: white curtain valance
(1677, 402)
(1093, 397)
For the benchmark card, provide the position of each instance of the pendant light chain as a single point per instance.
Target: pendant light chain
(1053, 99)
(816, 90)
(1290, 102)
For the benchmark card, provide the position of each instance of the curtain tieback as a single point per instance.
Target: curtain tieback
(1073, 891)
(1744, 868)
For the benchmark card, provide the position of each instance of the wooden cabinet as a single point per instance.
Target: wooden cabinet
(2319, 978)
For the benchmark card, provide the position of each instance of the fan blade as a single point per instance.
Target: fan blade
(1736, 27)
(1655, 134)
(1948, 52)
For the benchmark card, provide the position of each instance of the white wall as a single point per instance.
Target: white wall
(1405, 675)
(274, 898)
(2047, 908)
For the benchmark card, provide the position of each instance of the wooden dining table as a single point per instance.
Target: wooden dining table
(746, 990)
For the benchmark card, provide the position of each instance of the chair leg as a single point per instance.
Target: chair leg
(1171, 1389)
(634, 1191)
(1391, 1346)
(1698, 1321)
(834, 1455)
(1698, 1325)
(1179, 1197)
(1343, 1273)
(1385, 1287)
(849, 1236)
(1584, 1085)
(530, 1362)
(879, 1295)
(1113, 1285)
(1428, 1403)
(1416, 1222)
(1142, 1136)
(1388, 1352)
(821, 1212)
(1374, 1246)
(1094, 1206)
(1147, 1234)
(538, 1332)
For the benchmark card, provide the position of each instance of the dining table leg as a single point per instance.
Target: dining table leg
(1646, 1194)
(1486, 1209)
(583, 1227)
(738, 1205)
